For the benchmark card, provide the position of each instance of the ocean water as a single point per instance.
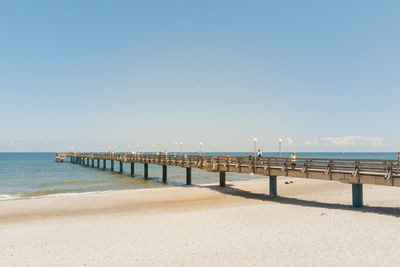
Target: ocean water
(25, 175)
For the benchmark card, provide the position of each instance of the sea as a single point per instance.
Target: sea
(35, 175)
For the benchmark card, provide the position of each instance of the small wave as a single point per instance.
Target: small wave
(48, 192)
(74, 182)
(9, 197)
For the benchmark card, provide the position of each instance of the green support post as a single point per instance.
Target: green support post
(357, 191)
(164, 173)
(272, 186)
(104, 163)
(222, 179)
(121, 167)
(146, 170)
(132, 169)
(112, 165)
(188, 176)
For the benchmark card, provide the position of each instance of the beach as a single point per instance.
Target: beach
(310, 223)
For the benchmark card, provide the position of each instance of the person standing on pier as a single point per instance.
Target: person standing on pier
(293, 159)
(259, 154)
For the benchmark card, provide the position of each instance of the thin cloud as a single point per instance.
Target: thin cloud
(307, 143)
(353, 141)
(290, 141)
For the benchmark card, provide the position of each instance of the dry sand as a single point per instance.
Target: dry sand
(311, 223)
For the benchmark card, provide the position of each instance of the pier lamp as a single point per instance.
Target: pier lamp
(201, 145)
(255, 145)
(280, 146)
(180, 146)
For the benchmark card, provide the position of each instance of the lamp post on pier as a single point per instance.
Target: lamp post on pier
(180, 147)
(255, 147)
(201, 145)
(280, 147)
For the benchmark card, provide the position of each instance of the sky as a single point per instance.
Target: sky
(127, 75)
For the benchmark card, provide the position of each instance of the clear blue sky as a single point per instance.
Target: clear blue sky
(323, 75)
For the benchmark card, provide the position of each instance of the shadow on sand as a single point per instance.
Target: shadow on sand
(392, 211)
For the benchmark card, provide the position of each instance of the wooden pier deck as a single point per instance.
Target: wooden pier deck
(352, 171)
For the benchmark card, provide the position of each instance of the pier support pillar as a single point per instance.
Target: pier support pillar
(132, 169)
(164, 173)
(146, 170)
(112, 165)
(104, 163)
(92, 162)
(121, 167)
(222, 179)
(188, 176)
(272, 186)
(98, 163)
(87, 162)
(357, 190)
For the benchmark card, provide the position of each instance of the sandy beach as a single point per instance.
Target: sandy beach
(310, 223)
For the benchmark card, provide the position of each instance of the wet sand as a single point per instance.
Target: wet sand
(310, 223)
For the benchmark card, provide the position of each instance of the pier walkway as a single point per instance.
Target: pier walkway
(352, 171)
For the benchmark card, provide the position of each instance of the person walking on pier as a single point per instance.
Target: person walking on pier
(259, 154)
(293, 159)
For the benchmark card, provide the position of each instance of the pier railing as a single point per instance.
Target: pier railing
(353, 171)
(386, 169)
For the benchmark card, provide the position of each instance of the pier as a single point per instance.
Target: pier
(355, 172)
